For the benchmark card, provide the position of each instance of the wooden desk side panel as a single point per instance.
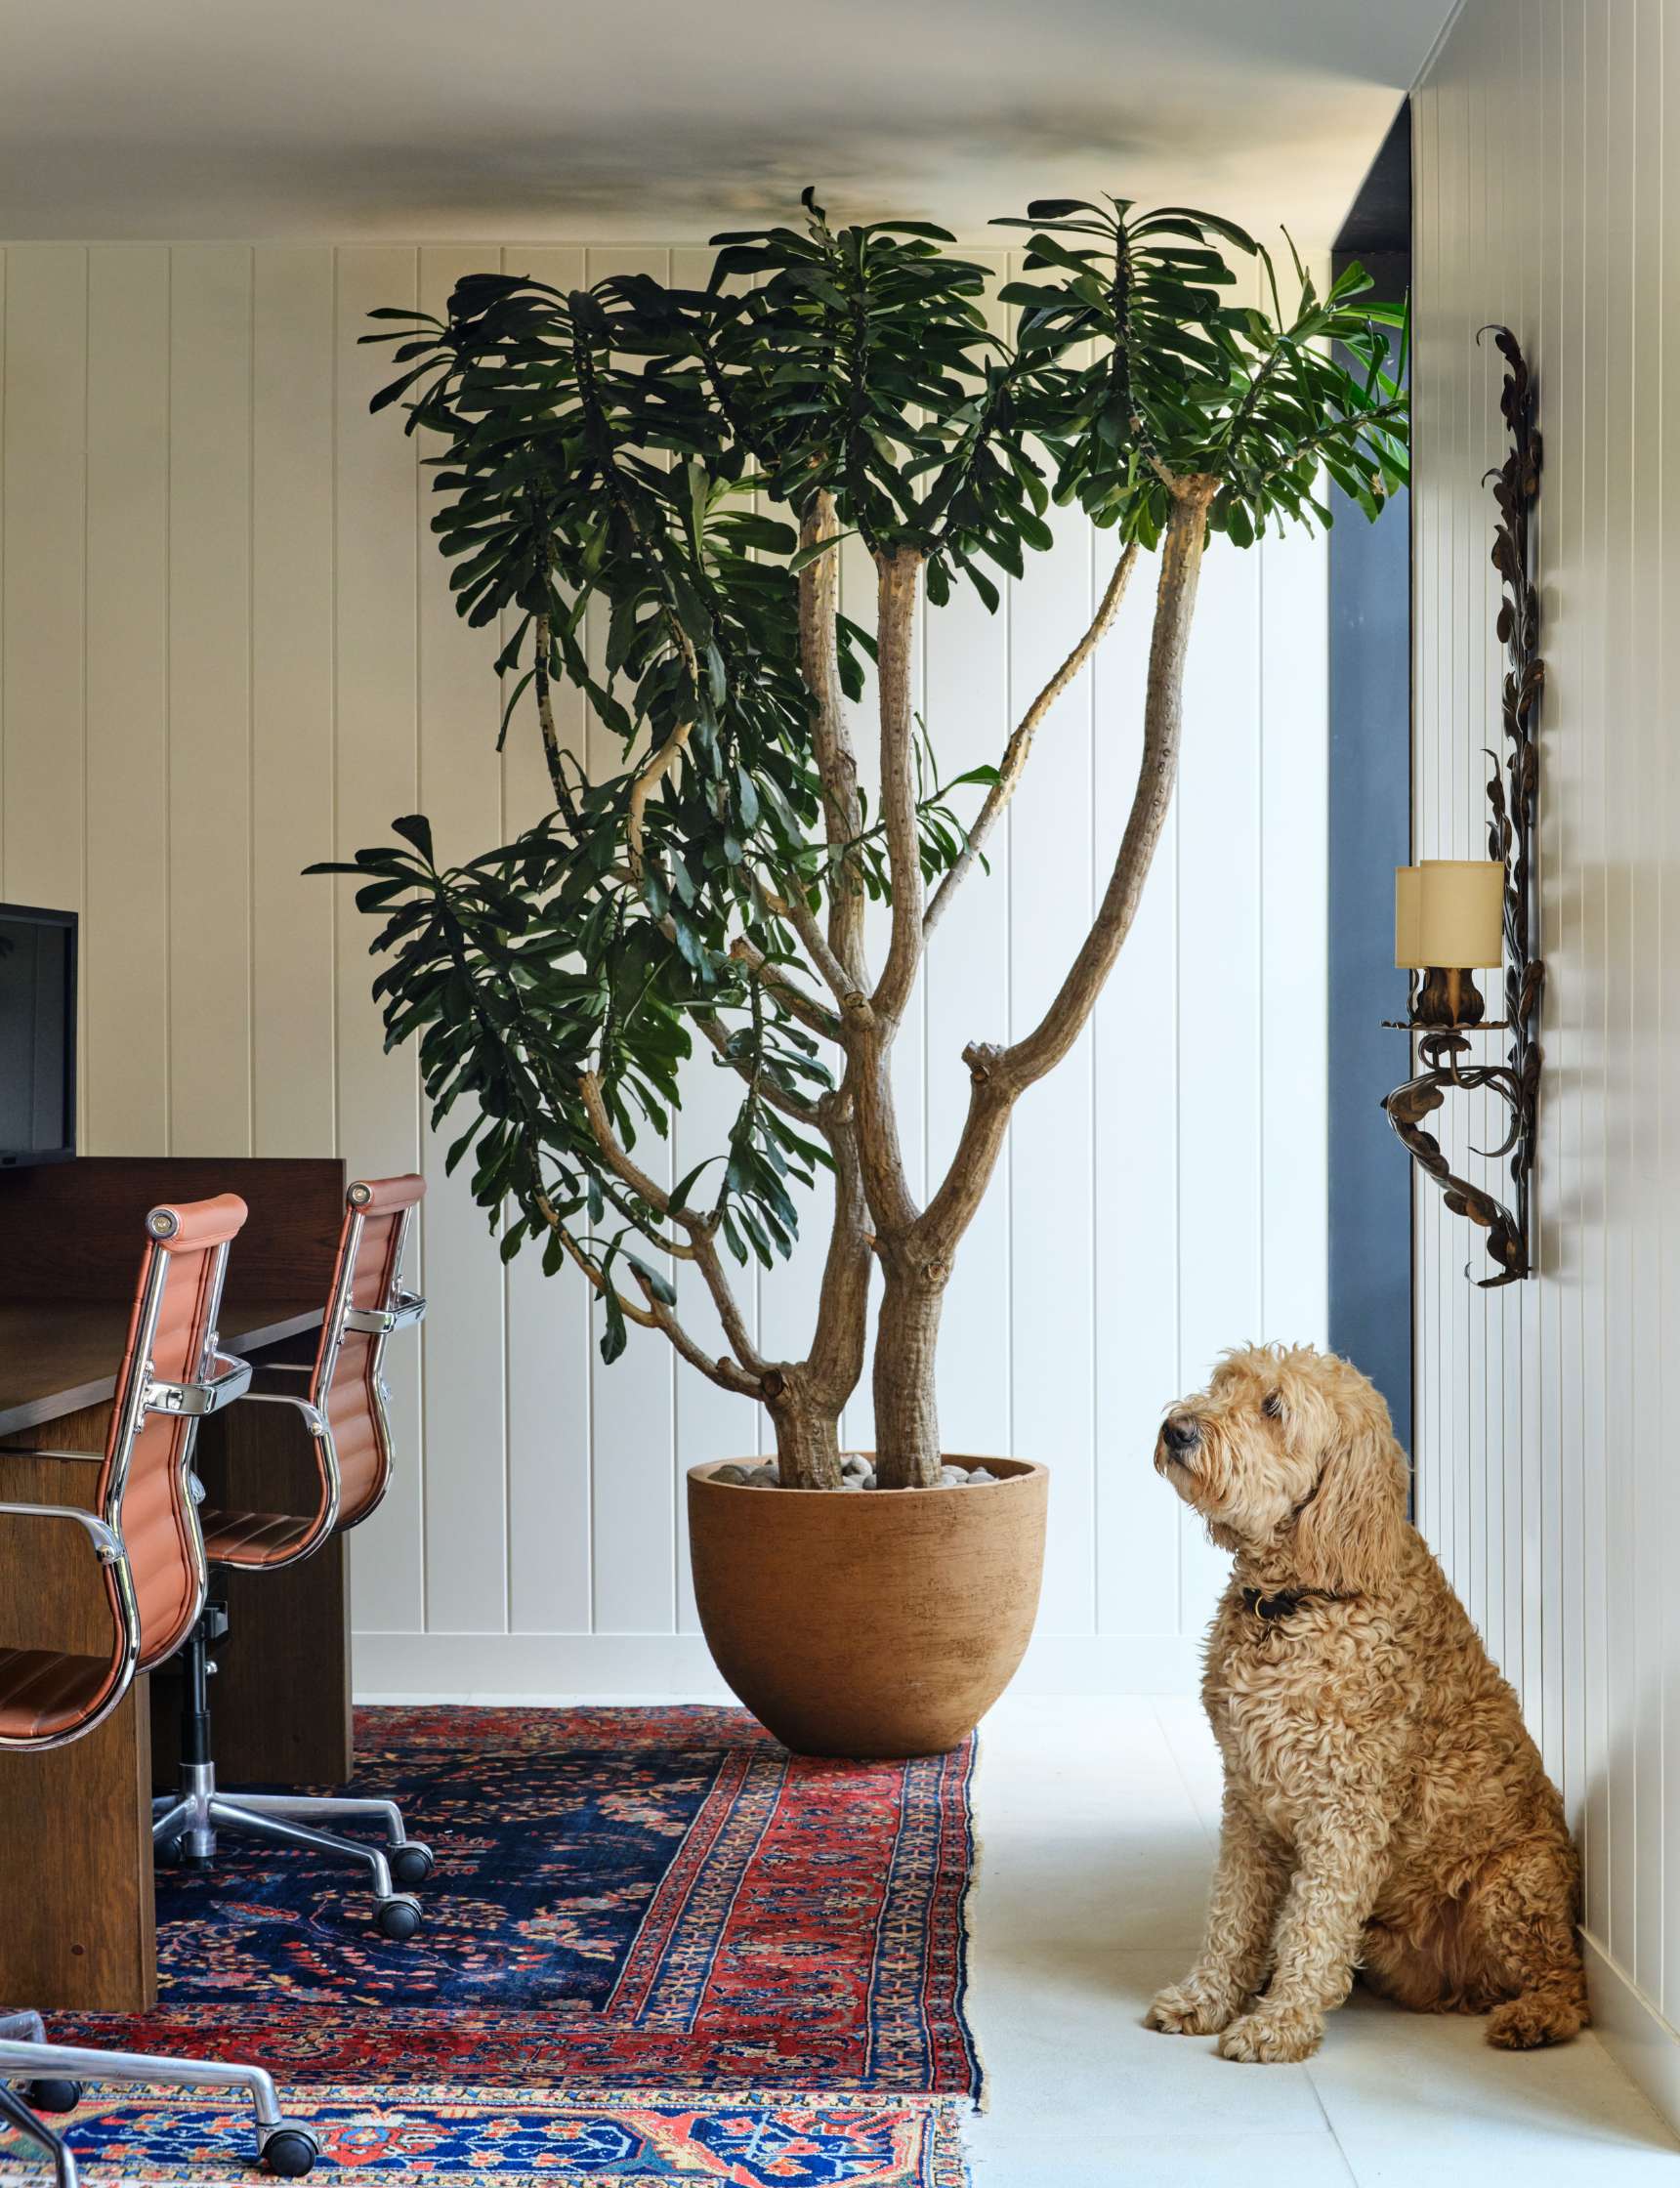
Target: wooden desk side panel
(74, 1229)
(78, 1929)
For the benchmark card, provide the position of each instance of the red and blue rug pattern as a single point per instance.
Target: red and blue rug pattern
(656, 1948)
(562, 2138)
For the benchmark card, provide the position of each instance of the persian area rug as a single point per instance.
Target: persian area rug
(535, 2138)
(656, 1948)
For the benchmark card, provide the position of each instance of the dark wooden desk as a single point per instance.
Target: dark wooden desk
(75, 1842)
(57, 1359)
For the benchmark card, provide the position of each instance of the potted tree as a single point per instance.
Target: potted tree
(610, 454)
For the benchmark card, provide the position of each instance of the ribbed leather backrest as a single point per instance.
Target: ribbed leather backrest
(157, 1519)
(351, 1401)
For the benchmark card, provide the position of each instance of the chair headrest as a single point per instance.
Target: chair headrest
(380, 1195)
(189, 1226)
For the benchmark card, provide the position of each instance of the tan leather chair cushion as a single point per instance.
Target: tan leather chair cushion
(44, 1691)
(252, 1538)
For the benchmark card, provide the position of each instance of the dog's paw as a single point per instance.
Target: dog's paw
(1537, 2017)
(1272, 2036)
(1190, 2009)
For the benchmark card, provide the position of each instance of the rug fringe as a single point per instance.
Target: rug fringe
(976, 1866)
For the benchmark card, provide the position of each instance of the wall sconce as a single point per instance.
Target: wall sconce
(1449, 919)
(1453, 917)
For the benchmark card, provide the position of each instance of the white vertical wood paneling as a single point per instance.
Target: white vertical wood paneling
(218, 571)
(1135, 1171)
(41, 831)
(1052, 1261)
(126, 1063)
(376, 777)
(210, 698)
(1547, 197)
(294, 337)
(1221, 1097)
(1641, 65)
(1665, 1515)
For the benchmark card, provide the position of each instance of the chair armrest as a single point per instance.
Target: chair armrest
(379, 1322)
(108, 1545)
(312, 1419)
(230, 1378)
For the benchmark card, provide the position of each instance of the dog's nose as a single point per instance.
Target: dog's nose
(1180, 1435)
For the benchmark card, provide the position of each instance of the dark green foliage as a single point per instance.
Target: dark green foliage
(1187, 379)
(602, 453)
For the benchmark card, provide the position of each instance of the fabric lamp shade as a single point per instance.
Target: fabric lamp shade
(1450, 913)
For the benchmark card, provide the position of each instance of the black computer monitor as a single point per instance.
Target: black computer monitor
(37, 1036)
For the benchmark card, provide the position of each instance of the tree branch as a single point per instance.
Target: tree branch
(618, 1157)
(1000, 1075)
(1018, 750)
(802, 1112)
(831, 736)
(798, 1004)
(722, 1370)
(648, 777)
(900, 574)
(549, 735)
(842, 1304)
(703, 1250)
(799, 916)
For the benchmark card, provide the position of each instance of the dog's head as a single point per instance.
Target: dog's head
(1290, 1453)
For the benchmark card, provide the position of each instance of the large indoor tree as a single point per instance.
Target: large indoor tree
(608, 458)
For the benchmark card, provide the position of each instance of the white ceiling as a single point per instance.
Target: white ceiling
(661, 119)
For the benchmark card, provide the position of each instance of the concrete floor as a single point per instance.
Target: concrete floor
(1097, 1823)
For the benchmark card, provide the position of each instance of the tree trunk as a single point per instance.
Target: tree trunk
(807, 1431)
(908, 1452)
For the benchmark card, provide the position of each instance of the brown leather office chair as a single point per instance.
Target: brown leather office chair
(144, 1530)
(344, 1411)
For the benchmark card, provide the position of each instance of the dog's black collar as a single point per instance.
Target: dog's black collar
(1283, 1603)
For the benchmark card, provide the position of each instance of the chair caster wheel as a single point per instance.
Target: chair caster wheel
(167, 1851)
(397, 1918)
(413, 1864)
(290, 2152)
(51, 2096)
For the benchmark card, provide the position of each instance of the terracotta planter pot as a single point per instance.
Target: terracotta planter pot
(879, 1623)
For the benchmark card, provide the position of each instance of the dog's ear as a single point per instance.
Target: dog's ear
(1349, 1533)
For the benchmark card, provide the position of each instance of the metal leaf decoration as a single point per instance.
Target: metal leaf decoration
(1511, 796)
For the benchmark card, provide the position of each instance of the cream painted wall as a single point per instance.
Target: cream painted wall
(228, 650)
(1548, 196)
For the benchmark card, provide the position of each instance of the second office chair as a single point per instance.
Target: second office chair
(344, 1411)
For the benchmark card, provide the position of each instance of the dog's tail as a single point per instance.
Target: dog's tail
(1553, 2011)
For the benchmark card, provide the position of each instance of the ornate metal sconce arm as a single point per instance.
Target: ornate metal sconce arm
(1510, 841)
(1507, 1229)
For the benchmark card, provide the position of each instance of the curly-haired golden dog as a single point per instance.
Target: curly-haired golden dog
(1384, 1806)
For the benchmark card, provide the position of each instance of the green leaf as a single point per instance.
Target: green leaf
(415, 828)
(614, 1337)
(806, 556)
(663, 1290)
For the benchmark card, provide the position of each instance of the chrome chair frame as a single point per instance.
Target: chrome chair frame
(185, 1822)
(222, 1378)
(288, 2148)
(406, 1310)
(284, 2146)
